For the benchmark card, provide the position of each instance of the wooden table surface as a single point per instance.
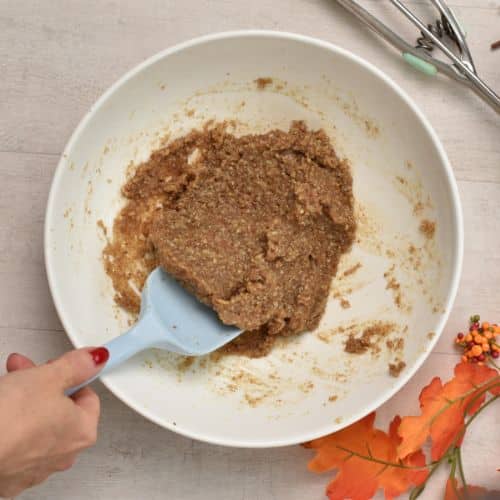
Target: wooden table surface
(56, 58)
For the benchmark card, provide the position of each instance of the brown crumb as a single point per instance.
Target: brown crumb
(393, 284)
(369, 339)
(428, 228)
(396, 344)
(495, 45)
(431, 335)
(306, 386)
(215, 357)
(345, 304)
(355, 345)
(185, 363)
(333, 398)
(396, 368)
(189, 112)
(352, 270)
(418, 208)
(389, 271)
(371, 129)
(324, 337)
(378, 329)
(263, 82)
(253, 401)
(100, 224)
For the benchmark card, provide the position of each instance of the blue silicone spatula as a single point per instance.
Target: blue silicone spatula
(171, 319)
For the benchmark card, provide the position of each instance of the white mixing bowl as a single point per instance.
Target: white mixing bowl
(309, 386)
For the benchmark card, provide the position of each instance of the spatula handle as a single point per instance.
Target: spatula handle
(137, 339)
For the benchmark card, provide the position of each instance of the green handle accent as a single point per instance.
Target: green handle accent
(420, 64)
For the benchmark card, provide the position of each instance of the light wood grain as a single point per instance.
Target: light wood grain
(53, 53)
(56, 58)
(25, 297)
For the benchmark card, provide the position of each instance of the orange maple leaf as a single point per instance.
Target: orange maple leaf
(443, 409)
(453, 492)
(359, 478)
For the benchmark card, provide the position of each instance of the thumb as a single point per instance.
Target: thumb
(17, 362)
(75, 367)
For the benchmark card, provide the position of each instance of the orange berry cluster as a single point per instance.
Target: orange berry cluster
(480, 342)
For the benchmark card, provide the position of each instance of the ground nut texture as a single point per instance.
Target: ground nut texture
(254, 226)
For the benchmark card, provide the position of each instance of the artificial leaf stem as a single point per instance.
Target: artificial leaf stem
(385, 462)
(458, 454)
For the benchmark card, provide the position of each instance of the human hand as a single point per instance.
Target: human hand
(42, 430)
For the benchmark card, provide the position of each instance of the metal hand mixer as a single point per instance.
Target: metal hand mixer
(446, 34)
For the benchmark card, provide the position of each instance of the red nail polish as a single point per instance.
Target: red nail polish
(100, 355)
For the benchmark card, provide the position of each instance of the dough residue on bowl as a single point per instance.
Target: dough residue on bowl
(254, 226)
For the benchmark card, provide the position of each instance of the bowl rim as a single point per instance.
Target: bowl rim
(458, 247)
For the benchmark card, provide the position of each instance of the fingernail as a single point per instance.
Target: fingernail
(100, 355)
